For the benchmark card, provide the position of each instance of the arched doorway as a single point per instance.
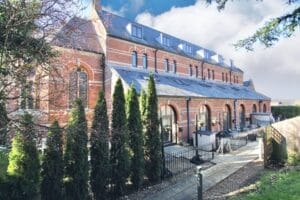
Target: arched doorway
(264, 108)
(254, 109)
(227, 117)
(204, 118)
(242, 116)
(169, 124)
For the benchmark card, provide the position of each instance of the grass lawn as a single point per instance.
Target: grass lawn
(276, 186)
(3, 163)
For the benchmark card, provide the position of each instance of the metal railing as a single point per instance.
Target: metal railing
(238, 142)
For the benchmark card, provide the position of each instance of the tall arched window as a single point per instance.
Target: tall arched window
(78, 87)
(223, 77)
(27, 101)
(169, 124)
(166, 65)
(242, 117)
(226, 77)
(196, 71)
(134, 59)
(145, 61)
(227, 118)
(174, 67)
(204, 121)
(191, 70)
(208, 74)
(213, 74)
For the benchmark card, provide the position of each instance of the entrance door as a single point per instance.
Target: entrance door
(227, 118)
(169, 124)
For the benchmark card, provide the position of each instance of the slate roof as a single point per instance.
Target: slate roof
(116, 26)
(78, 34)
(178, 86)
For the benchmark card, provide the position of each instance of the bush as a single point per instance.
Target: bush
(285, 112)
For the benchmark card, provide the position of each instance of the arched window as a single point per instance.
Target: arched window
(191, 70)
(196, 71)
(166, 65)
(226, 77)
(264, 108)
(145, 61)
(213, 74)
(204, 121)
(134, 59)
(208, 74)
(78, 87)
(27, 101)
(254, 109)
(174, 67)
(223, 77)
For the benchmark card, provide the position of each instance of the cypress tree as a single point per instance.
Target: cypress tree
(76, 155)
(3, 121)
(120, 160)
(100, 164)
(24, 166)
(52, 166)
(153, 141)
(143, 107)
(135, 138)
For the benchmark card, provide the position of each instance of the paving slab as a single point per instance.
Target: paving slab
(226, 164)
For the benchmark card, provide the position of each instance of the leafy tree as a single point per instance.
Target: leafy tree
(76, 155)
(3, 122)
(136, 141)
(52, 166)
(270, 33)
(100, 164)
(120, 160)
(153, 140)
(24, 166)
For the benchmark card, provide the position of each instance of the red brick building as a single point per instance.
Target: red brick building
(191, 80)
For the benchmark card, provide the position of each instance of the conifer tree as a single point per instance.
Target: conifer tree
(24, 166)
(100, 164)
(52, 166)
(120, 160)
(153, 141)
(136, 142)
(143, 106)
(76, 155)
(3, 121)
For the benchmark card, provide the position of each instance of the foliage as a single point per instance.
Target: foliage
(285, 112)
(136, 141)
(120, 160)
(143, 106)
(24, 167)
(152, 137)
(273, 30)
(76, 155)
(52, 166)
(276, 185)
(3, 164)
(3, 121)
(100, 164)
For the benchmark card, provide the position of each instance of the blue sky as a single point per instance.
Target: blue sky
(131, 8)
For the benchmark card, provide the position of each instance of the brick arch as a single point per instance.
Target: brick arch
(174, 107)
(84, 66)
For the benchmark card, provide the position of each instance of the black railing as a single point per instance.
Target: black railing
(180, 161)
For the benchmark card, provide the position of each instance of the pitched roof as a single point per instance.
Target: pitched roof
(178, 86)
(117, 26)
(78, 34)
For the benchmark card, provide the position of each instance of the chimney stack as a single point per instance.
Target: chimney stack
(97, 5)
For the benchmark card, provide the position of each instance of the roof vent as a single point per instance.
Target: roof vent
(201, 53)
(180, 46)
(128, 28)
(218, 58)
(231, 63)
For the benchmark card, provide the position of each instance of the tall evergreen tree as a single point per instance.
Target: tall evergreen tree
(3, 121)
(143, 106)
(120, 160)
(76, 155)
(136, 142)
(52, 166)
(153, 141)
(24, 166)
(100, 164)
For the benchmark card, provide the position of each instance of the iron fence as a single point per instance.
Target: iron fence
(180, 161)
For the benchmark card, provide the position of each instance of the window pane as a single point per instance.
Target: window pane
(145, 61)
(73, 88)
(166, 65)
(83, 83)
(134, 59)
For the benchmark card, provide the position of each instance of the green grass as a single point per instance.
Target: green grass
(3, 163)
(276, 186)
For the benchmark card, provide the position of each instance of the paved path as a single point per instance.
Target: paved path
(225, 166)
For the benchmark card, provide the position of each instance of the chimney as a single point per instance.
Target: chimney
(231, 63)
(97, 5)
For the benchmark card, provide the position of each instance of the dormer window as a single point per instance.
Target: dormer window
(136, 31)
(166, 41)
(187, 48)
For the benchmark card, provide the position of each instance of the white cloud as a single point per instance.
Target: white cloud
(275, 71)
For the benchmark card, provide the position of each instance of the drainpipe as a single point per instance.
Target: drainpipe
(235, 114)
(155, 60)
(202, 70)
(188, 99)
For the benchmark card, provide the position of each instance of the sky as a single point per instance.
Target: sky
(275, 71)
